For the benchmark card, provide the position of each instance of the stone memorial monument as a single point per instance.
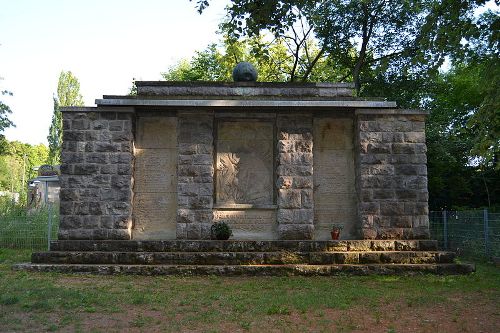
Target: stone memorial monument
(280, 163)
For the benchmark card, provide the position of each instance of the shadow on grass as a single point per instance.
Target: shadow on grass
(189, 301)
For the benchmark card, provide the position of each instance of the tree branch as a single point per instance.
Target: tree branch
(313, 63)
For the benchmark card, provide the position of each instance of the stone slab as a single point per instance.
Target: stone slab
(243, 245)
(155, 178)
(240, 103)
(155, 215)
(243, 258)
(254, 270)
(334, 186)
(254, 224)
(244, 163)
(156, 132)
(247, 89)
(155, 170)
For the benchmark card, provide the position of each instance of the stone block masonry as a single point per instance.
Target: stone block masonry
(392, 175)
(295, 215)
(96, 175)
(168, 163)
(195, 187)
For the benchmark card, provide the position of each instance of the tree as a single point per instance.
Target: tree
(68, 94)
(4, 112)
(18, 163)
(5, 122)
(366, 36)
(395, 49)
(274, 61)
(485, 120)
(459, 173)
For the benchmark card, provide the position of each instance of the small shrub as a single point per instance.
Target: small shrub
(220, 231)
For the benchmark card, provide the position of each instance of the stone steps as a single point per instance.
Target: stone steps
(243, 246)
(237, 257)
(244, 258)
(255, 270)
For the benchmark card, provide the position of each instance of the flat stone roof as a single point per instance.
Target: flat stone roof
(236, 103)
(247, 90)
(254, 96)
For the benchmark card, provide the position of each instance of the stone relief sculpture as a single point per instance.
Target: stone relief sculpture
(227, 180)
(244, 165)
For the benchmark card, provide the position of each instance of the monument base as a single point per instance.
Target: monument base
(206, 257)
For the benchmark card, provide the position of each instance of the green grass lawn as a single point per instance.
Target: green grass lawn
(52, 302)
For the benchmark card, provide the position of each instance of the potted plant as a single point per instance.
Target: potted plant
(336, 228)
(220, 231)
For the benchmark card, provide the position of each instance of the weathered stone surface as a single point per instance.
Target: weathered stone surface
(247, 89)
(244, 72)
(244, 245)
(195, 173)
(294, 171)
(155, 178)
(295, 231)
(334, 185)
(392, 176)
(244, 163)
(249, 224)
(255, 270)
(89, 195)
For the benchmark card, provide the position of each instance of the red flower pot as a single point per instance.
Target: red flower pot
(335, 234)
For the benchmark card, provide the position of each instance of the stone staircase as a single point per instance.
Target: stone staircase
(233, 257)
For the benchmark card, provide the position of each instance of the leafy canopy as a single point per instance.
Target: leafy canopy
(274, 60)
(68, 94)
(369, 35)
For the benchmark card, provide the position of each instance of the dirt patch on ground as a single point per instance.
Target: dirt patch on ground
(471, 313)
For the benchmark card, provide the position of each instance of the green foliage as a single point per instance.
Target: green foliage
(374, 36)
(4, 112)
(485, 121)
(55, 135)
(23, 229)
(273, 61)
(220, 231)
(68, 90)
(460, 122)
(5, 122)
(17, 165)
(394, 49)
(206, 65)
(3, 144)
(338, 227)
(68, 94)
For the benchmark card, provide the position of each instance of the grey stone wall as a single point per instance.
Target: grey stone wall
(392, 176)
(295, 215)
(96, 175)
(195, 187)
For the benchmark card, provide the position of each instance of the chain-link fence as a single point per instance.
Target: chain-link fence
(32, 229)
(473, 233)
(470, 233)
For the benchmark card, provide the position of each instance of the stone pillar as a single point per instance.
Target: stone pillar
(195, 173)
(392, 174)
(96, 175)
(295, 177)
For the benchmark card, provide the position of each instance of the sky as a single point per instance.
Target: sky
(104, 43)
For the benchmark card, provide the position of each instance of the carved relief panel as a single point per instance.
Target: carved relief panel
(244, 163)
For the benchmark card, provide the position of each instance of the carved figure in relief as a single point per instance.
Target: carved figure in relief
(245, 177)
(255, 176)
(244, 164)
(228, 169)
